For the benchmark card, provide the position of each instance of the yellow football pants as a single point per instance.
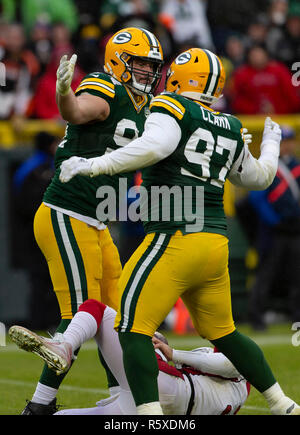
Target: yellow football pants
(83, 262)
(166, 267)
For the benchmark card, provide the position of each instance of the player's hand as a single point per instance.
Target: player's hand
(64, 74)
(74, 166)
(272, 132)
(247, 137)
(163, 347)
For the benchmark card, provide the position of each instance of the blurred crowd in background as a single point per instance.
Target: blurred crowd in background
(259, 42)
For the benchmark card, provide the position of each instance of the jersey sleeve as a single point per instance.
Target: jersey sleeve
(206, 361)
(168, 105)
(252, 173)
(159, 140)
(97, 84)
(237, 127)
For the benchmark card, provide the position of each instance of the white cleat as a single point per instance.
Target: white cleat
(286, 406)
(55, 352)
(295, 410)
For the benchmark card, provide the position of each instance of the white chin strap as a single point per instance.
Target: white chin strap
(205, 99)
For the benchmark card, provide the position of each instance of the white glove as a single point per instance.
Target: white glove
(64, 74)
(247, 138)
(74, 166)
(271, 134)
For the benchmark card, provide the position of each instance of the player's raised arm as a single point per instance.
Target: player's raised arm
(258, 174)
(76, 110)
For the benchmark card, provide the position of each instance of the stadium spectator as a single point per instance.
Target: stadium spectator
(278, 211)
(88, 47)
(22, 68)
(29, 183)
(263, 85)
(40, 44)
(284, 41)
(30, 12)
(61, 39)
(234, 56)
(3, 27)
(231, 16)
(44, 105)
(278, 11)
(187, 21)
(235, 50)
(113, 10)
(257, 31)
(88, 12)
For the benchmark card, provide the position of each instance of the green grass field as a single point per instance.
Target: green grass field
(85, 384)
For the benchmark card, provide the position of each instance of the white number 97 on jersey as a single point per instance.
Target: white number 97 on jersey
(205, 168)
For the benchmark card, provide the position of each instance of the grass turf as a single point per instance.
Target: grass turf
(86, 383)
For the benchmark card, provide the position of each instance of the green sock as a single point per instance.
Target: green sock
(141, 366)
(111, 380)
(248, 359)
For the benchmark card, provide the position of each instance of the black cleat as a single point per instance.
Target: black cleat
(33, 408)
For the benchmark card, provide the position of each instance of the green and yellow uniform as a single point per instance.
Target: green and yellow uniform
(82, 258)
(199, 149)
(210, 144)
(180, 257)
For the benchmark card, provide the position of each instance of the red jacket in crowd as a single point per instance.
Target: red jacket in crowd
(269, 90)
(44, 104)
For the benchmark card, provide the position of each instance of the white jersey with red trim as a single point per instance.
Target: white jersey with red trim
(213, 393)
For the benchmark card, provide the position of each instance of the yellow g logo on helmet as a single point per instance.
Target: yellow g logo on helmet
(126, 45)
(197, 74)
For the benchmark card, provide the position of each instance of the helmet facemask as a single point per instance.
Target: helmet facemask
(129, 75)
(129, 45)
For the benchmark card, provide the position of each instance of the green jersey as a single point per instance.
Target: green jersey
(185, 190)
(124, 123)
